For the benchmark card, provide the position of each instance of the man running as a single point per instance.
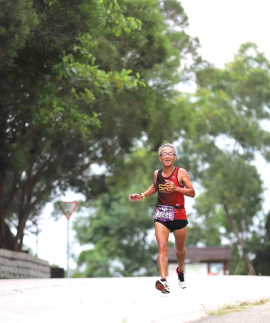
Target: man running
(172, 184)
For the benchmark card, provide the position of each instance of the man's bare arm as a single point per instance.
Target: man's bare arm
(152, 189)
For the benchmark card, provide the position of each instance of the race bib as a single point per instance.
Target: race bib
(164, 213)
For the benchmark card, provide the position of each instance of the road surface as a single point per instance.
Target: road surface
(123, 300)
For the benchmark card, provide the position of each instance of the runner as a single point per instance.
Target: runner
(172, 184)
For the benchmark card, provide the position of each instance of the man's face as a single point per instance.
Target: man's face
(167, 157)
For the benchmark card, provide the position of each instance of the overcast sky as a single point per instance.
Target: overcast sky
(221, 27)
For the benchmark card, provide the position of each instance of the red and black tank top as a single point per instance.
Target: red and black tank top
(175, 198)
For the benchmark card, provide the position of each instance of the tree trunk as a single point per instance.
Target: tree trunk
(28, 191)
(3, 243)
(248, 262)
(18, 241)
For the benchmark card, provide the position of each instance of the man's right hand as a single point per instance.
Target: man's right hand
(135, 197)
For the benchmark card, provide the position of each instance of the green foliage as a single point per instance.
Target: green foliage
(47, 105)
(260, 246)
(82, 84)
(231, 105)
(116, 20)
(221, 133)
(121, 232)
(18, 20)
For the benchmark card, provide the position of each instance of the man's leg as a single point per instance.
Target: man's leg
(180, 239)
(162, 236)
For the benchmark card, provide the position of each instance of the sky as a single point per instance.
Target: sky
(221, 26)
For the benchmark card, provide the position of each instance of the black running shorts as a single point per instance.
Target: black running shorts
(174, 225)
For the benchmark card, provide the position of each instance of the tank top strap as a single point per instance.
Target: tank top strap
(175, 171)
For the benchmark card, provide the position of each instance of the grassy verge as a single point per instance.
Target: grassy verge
(237, 307)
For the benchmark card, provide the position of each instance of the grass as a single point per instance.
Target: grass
(237, 307)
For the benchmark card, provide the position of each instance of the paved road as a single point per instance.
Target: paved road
(123, 300)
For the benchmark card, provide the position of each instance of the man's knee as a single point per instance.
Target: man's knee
(162, 248)
(180, 251)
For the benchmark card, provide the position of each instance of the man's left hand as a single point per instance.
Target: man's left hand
(170, 186)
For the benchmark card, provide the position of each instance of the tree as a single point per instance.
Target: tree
(154, 53)
(18, 20)
(47, 105)
(74, 96)
(230, 106)
(235, 188)
(260, 246)
(121, 233)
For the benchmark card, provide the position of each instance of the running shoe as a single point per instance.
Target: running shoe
(181, 279)
(163, 286)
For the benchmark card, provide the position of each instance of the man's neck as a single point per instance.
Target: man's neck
(167, 170)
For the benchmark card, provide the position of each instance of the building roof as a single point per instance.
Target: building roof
(206, 254)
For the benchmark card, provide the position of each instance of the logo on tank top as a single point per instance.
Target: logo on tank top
(163, 188)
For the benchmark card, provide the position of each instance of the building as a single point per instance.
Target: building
(202, 261)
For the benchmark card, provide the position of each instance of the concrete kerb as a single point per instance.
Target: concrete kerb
(252, 314)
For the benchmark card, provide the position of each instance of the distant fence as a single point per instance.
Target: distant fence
(22, 265)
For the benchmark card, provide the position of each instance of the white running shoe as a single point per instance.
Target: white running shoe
(181, 279)
(163, 286)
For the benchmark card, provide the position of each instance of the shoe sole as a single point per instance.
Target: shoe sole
(161, 288)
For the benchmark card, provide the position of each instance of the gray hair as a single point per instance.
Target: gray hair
(166, 145)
